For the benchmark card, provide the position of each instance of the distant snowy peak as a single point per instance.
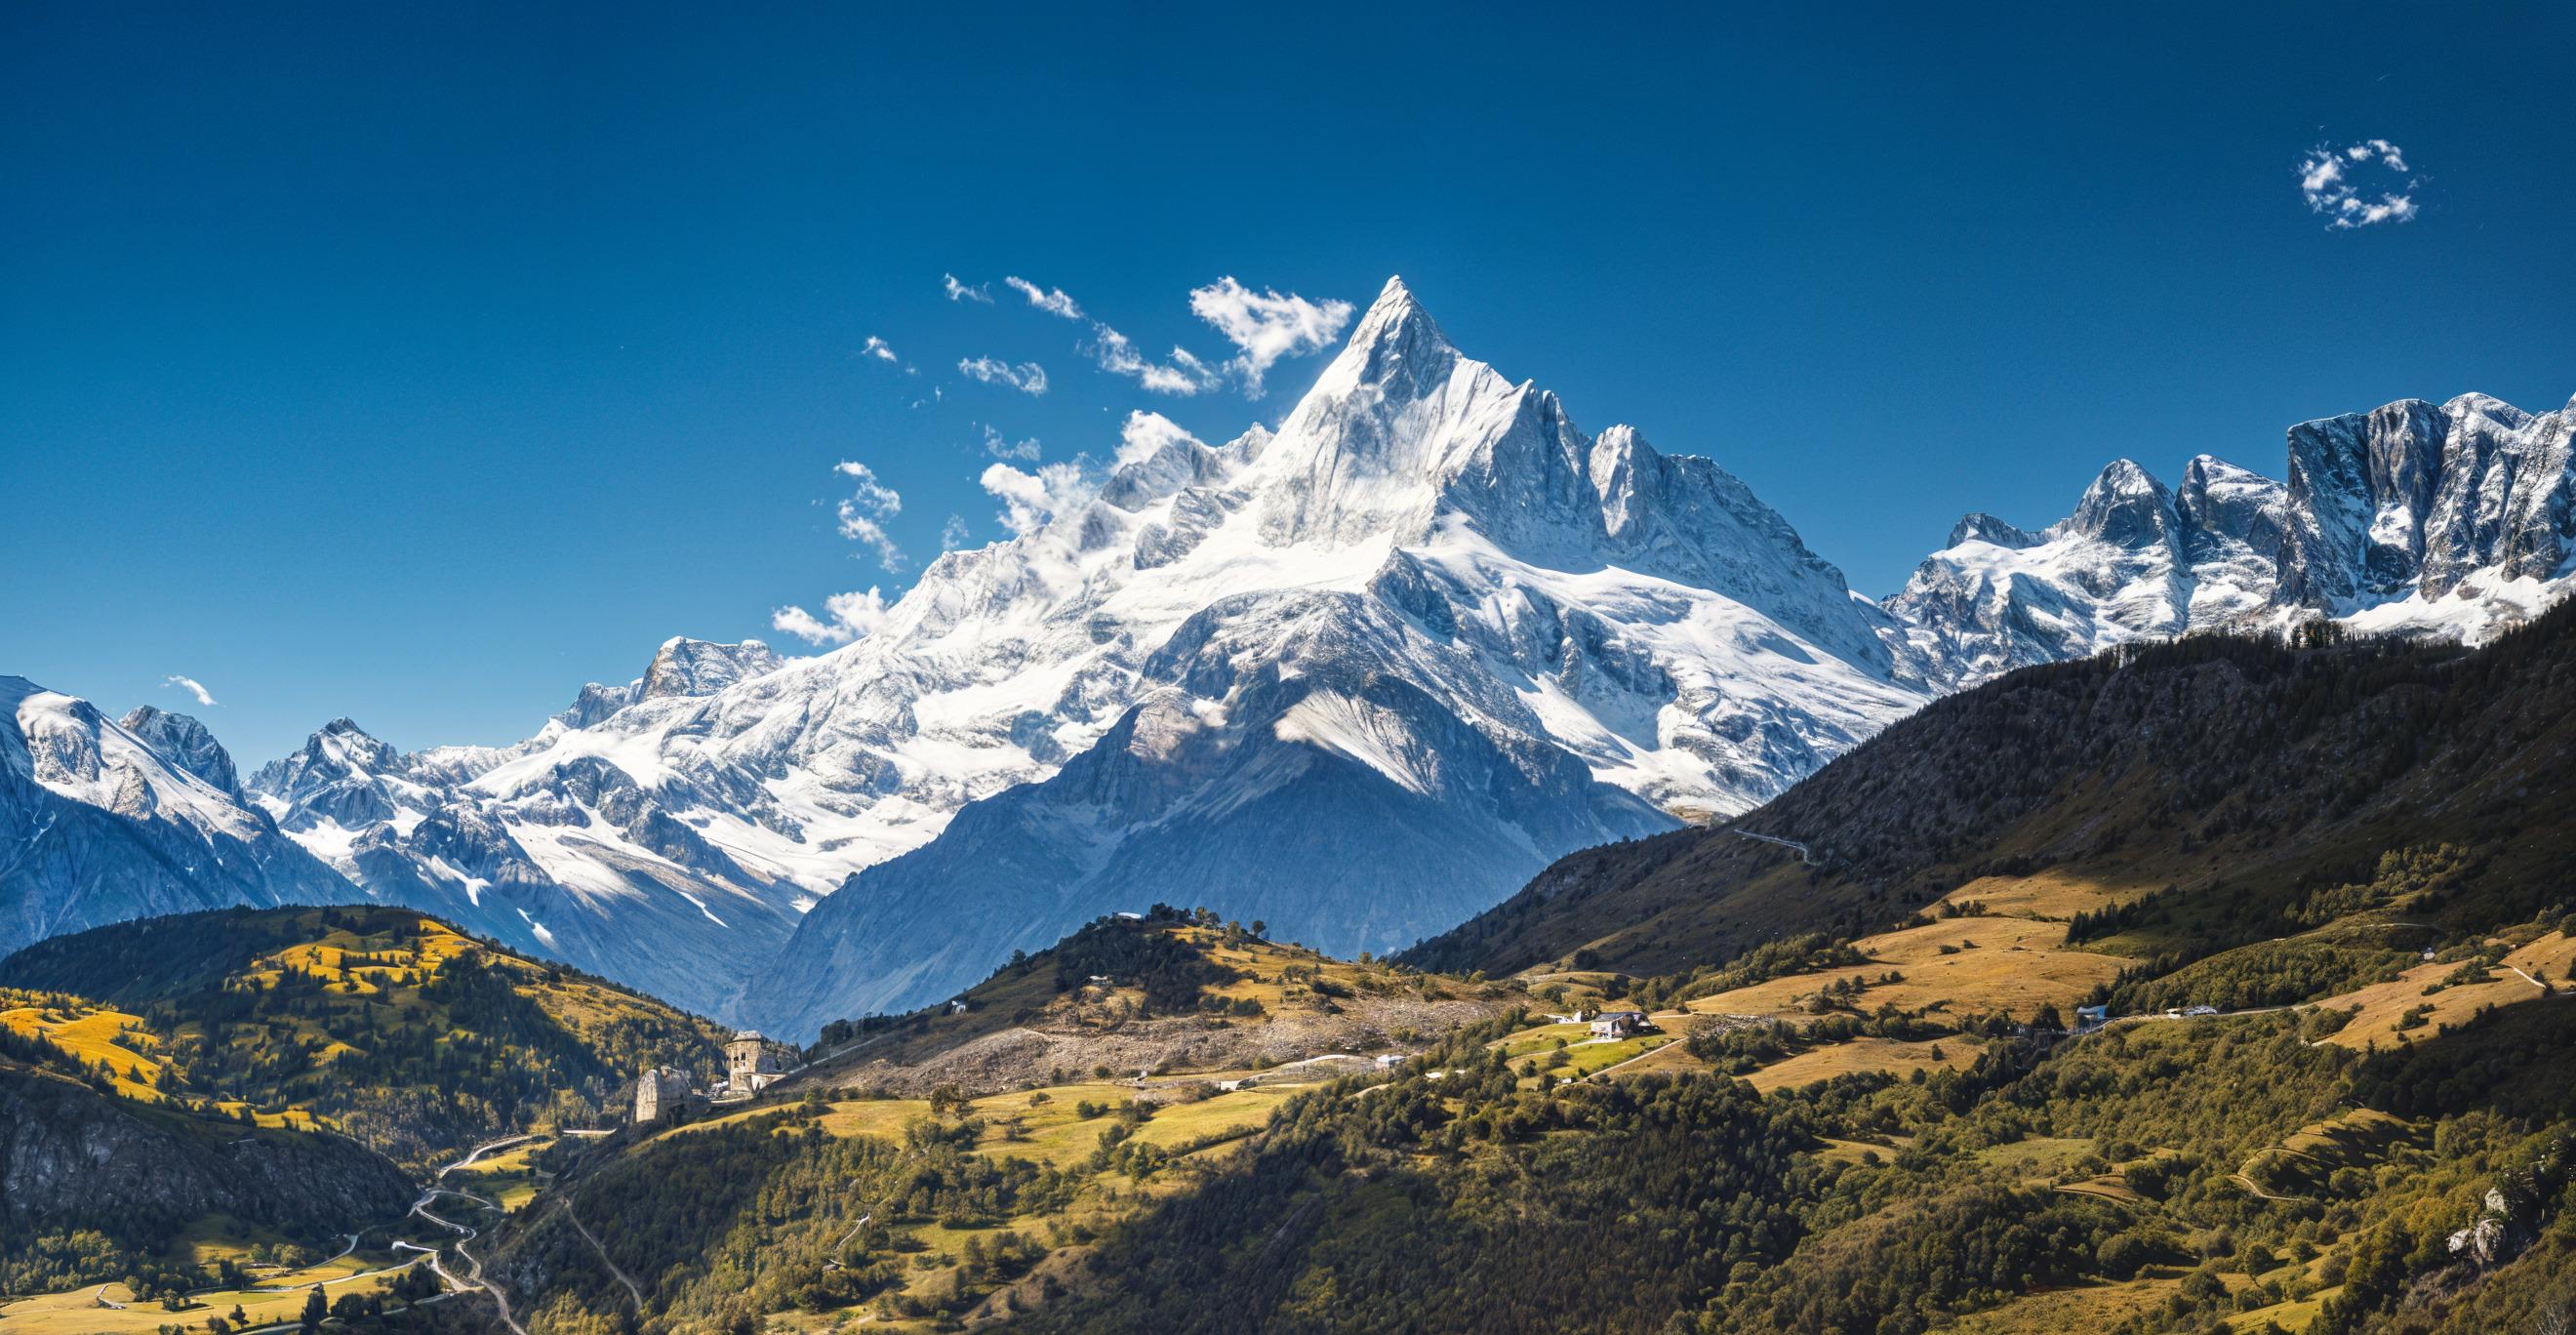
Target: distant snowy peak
(617, 837)
(66, 746)
(186, 743)
(102, 821)
(2451, 519)
(338, 751)
(701, 667)
(681, 667)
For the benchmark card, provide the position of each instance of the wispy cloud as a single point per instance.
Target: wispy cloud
(192, 686)
(846, 617)
(958, 291)
(1027, 377)
(864, 512)
(1116, 353)
(954, 534)
(1265, 326)
(2338, 180)
(1051, 300)
(1003, 447)
(877, 348)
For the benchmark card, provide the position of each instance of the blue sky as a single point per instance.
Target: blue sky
(422, 363)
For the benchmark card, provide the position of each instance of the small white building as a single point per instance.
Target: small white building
(1620, 1024)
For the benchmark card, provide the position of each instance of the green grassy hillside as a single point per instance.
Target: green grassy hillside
(102, 1188)
(381, 1023)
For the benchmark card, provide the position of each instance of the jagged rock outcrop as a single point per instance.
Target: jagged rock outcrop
(2452, 519)
(185, 742)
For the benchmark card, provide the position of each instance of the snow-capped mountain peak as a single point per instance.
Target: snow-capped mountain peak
(1428, 572)
(2125, 505)
(2454, 519)
(683, 666)
(99, 823)
(186, 743)
(1428, 576)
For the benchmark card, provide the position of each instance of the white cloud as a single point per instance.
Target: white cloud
(1117, 355)
(1027, 377)
(954, 534)
(1265, 326)
(876, 347)
(1145, 433)
(1051, 300)
(191, 686)
(1002, 447)
(958, 291)
(846, 617)
(2339, 182)
(864, 513)
(1030, 499)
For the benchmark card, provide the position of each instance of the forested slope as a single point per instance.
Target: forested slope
(382, 1022)
(2238, 770)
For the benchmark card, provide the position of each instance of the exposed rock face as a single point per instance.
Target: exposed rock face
(699, 667)
(71, 1157)
(2134, 560)
(2421, 497)
(2452, 519)
(97, 825)
(184, 742)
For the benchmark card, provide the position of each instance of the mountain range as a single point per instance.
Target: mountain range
(1360, 676)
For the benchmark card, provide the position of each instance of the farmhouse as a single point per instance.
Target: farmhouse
(1620, 1024)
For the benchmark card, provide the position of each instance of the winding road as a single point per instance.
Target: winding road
(1805, 854)
(473, 1281)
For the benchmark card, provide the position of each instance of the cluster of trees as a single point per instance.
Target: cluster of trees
(1806, 952)
(742, 1218)
(1174, 973)
(1448, 1205)
(418, 1062)
(1743, 1049)
(2267, 973)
